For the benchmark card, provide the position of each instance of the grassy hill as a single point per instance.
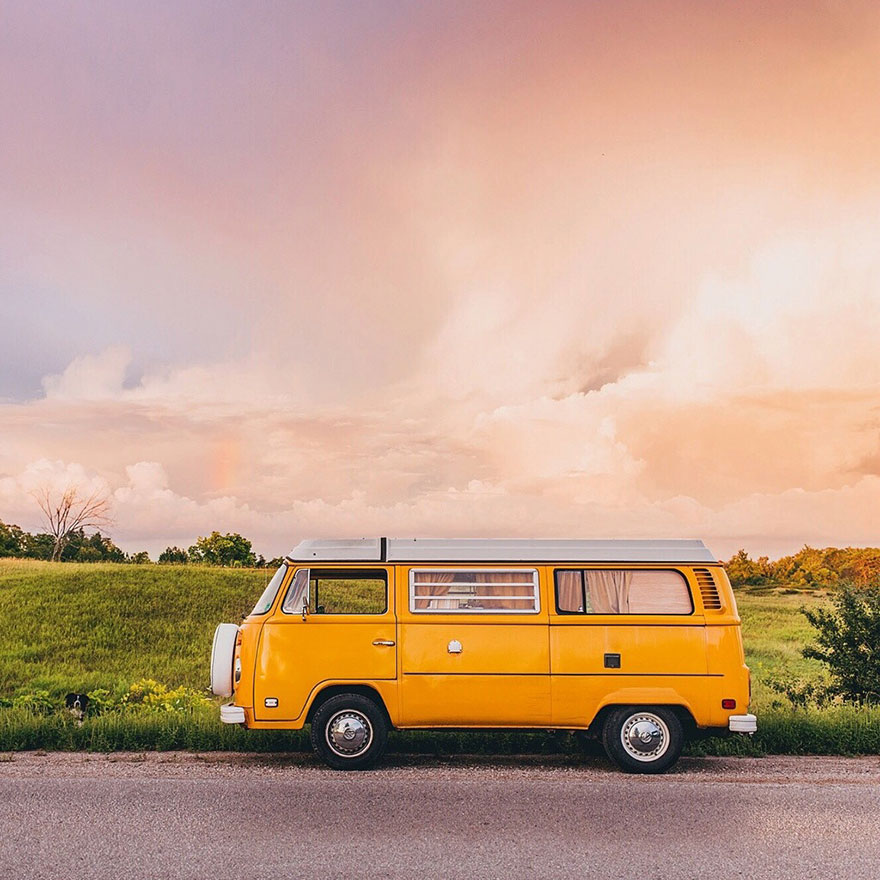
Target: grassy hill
(78, 626)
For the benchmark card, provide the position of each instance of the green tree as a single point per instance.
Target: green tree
(142, 558)
(96, 547)
(173, 556)
(848, 642)
(12, 540)
(217, 549)
(40, 546)
(743, 570)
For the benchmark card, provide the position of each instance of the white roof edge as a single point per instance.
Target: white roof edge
(339, 550)
(501, 550)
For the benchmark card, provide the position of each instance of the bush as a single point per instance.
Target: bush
(150, 694)
(848, 643)
(38, 702)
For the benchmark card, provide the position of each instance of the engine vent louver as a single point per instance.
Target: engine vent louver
(708, 590)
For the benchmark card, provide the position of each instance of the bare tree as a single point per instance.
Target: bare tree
(71, 511)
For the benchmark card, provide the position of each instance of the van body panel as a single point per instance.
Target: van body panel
(587, 696)
(475, 701)
(486, 648)
(295, 655)
(473, 669)
(246, 655)
(658, 655)
(648, 648)
(386, 689)
(478, 691)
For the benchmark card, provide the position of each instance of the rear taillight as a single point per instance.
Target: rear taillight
(728, 704)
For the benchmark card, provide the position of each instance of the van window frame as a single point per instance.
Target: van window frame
(341, 574)
(536, 591)
(618, 614)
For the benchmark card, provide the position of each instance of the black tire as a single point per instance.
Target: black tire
(655, 751)
(349, 732)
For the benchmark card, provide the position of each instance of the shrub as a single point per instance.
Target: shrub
(101, 700)
(38, 702)
(150, 694)
(848, 642)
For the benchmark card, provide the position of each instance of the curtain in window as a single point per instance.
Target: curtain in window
(569, 596)
(505, 583)
(609, 591)
(522, 583)
(433, 583)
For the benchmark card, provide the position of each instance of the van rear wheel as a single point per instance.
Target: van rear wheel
(349, 732)
(643, 739)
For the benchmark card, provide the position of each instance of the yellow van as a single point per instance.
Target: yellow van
(636, 642)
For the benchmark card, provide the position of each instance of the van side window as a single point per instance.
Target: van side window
(494, 590)
(621, 591)
(348, 591)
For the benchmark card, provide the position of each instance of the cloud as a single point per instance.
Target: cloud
(91, 377)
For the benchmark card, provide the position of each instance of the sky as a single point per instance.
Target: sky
(444, 269)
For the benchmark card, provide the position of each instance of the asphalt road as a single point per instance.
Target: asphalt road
(218, 816)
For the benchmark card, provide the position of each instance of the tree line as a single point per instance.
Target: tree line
(230, 549)
(810, 567)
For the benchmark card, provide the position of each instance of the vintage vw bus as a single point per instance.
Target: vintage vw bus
(636, 642)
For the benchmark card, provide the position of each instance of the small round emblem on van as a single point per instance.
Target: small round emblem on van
(454, 647)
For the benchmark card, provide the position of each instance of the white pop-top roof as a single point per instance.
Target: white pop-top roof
(498, 550)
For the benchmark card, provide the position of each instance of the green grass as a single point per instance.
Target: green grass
(774, 633)
(76, 627)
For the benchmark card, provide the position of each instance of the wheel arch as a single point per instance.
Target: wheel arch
(334, 690)
(684, 714)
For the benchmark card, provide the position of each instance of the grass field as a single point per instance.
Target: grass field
(76, 627)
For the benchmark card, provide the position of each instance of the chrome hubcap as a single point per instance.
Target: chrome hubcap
(645, 736)
(349, 733)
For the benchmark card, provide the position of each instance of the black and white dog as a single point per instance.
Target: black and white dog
(77, 705)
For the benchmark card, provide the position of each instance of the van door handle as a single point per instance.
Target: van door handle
(385, 642)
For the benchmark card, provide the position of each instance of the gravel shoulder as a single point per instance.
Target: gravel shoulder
(774, 770)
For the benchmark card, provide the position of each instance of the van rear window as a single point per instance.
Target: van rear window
(621, 591)
(498, 591)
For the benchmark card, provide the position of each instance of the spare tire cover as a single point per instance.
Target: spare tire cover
(222, 654)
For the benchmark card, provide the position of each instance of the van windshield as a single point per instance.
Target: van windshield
(264, 603)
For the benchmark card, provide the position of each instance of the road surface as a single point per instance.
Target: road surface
(204, 816)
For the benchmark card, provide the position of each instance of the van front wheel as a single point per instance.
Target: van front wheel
(643, 739)
(349, 732)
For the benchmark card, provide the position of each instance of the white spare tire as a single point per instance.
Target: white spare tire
(222, 655)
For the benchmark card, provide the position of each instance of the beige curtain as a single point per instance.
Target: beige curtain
(436, 581)
(507, 583)
(609, 591)
(500, 578)
(569, 596)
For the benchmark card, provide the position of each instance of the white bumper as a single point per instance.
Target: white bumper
(230, 714)
(743, 723)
